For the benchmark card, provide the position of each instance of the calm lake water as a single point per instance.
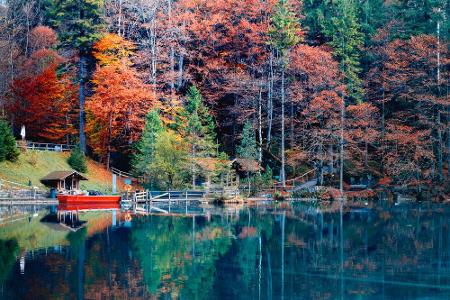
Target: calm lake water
(265, 252)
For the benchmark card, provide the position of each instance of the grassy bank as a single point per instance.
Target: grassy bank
(33, 165)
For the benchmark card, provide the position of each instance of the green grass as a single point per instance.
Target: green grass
(33, 165)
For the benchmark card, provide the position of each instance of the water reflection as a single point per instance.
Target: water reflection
(266, 252)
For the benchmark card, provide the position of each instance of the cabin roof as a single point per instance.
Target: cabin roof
(246, 164)
(61, 175)
(209, 164)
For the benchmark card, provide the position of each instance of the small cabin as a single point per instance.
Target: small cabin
(63, 180)
(244, 167)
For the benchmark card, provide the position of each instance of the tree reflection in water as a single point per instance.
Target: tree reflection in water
(259, 253)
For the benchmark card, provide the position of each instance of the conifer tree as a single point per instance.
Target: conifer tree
(78, 23)
(248, 148)
(145, 147)
(77, 160)
(284, 33)
(8, 148)
(198, 129)
(343, 32)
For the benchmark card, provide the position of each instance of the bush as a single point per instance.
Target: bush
(77, 160)
(8, 147)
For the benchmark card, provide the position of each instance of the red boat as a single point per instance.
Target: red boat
(81, 199)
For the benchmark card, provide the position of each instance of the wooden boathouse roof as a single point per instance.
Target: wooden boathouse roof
(61, 175)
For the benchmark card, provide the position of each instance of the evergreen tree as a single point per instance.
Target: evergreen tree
(8, 148)
(197, 127)
(200, 128)
(77, 160)
(284, 33)
(145, 147)
(343, 32)
(248, 148)
(78, 23)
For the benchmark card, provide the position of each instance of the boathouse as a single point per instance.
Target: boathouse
(63, 180)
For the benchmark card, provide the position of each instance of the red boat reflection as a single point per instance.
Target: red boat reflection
(84, 199)
(88, 206)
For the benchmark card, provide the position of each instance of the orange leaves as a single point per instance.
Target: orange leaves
(315, 64)
(112, 48)
(117, 108)
(42, 37)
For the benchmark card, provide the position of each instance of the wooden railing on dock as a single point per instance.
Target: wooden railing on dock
(163, 196)
(149, 198)
(14, 190)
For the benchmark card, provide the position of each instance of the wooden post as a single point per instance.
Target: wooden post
(186, 202)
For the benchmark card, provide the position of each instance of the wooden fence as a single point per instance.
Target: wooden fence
(46, 146)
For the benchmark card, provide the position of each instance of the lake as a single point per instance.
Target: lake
(269, 251)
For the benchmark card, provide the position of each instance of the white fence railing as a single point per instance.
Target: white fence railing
(46, 146)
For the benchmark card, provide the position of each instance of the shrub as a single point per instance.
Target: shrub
(33, 158)
(8, 147)
(77, 160)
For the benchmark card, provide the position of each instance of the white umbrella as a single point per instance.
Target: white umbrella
(22, 132)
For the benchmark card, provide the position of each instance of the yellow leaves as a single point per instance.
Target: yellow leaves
(112, 48)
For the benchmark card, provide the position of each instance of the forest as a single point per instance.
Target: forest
(352, 89)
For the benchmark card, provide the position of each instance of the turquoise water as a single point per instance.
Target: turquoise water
(265, 252)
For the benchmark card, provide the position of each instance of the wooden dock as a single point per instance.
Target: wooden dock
(145, 202)
(28, 201)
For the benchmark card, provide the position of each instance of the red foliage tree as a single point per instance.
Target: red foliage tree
(116, 111)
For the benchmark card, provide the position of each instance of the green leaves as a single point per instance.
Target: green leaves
(8, 148)
(284, 32)
(78, 22)
(199, 129)
(145, 147)
(77, 160)
(343, 32)
(248, 148)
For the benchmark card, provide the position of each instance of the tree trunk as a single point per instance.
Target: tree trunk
(193, 166)
(282, 171)
(180, 71)
(270, 99)
(119, 21)
(291, 119)
(439, 146)
(108, 157)
(153, 50)
(172, 69)
(260, 125)
(341, 151)
(320, 181)
(82, 99)
(383, 132)
(438, 120)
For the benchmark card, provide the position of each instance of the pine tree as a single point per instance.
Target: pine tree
(8, 148)
(343, 32)
(145, 147)
(199, 128)
(284, 33)
(77, 160)
(78, 23)
(248, 148)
